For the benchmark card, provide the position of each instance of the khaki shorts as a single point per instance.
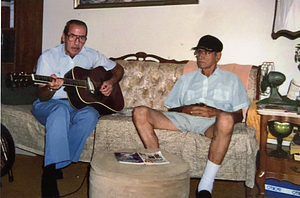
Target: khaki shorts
(186, 122)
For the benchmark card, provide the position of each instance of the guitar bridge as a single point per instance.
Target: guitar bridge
(90, 86)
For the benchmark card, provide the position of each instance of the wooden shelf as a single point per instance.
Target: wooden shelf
(8, 45)
(271, 167)
(7, 29)
(22, 45)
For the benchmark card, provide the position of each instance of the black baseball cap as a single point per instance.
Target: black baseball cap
(209, 43)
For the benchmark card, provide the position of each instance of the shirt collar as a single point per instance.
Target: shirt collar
(216, 72)
(62, 50)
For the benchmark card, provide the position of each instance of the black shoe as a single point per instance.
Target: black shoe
(49, 183)
(203, 194)
(59, 174)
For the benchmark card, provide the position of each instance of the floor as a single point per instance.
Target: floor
(27, 171)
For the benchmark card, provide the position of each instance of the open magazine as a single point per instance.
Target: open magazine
(154, 158)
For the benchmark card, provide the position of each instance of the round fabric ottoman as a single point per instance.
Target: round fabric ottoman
(110, 179)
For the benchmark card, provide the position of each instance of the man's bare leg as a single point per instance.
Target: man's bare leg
(220, 134)
(146, 120)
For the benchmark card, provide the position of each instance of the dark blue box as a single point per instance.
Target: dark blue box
(281, 189)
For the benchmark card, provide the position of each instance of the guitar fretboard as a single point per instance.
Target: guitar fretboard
(67, 81)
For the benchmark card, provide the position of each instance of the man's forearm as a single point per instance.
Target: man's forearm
(177, 109)
(45, 93)
(117, 74)
(210, 112)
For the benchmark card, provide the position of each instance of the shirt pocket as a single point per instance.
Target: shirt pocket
(222, 93)
(190, 95)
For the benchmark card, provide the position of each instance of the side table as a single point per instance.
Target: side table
(271, 167)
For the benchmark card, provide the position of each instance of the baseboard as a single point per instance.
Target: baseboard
(23, 152)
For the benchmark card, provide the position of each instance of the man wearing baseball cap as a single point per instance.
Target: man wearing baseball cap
(208, 101)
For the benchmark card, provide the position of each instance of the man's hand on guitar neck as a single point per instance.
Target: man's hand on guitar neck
(46, 92)
(56, 83)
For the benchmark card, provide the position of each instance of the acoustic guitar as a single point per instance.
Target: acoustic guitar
(82, 87)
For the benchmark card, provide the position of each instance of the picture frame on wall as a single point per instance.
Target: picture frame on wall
(86, 4)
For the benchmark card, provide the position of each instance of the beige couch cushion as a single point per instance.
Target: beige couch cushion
(148, 83)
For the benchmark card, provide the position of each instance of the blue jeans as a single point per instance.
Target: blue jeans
(66, 129)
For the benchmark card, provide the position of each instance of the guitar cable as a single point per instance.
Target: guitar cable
(87, 172)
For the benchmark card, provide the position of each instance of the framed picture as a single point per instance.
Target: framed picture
(85, 4)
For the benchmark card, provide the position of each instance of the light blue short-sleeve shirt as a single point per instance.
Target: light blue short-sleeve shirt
(223, 90)
(55, 61)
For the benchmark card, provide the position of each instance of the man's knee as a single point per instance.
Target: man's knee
(60, 109)
(140, 112)
(225, 121)
(89, 114)
(226, 117)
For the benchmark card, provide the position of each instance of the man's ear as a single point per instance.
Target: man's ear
(218, 56)
(63, 38)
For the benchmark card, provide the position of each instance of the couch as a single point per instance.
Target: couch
(147, 81)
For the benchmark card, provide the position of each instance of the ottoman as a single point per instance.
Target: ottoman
(111, 179)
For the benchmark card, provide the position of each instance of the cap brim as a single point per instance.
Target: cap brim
(202, 47)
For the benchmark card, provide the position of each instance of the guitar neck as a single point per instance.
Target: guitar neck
(67, 81)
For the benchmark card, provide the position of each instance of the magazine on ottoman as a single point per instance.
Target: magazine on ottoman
(153, 158)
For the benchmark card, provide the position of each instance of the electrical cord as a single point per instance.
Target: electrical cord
(79, 186)
(87, 172)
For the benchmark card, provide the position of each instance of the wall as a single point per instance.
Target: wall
(244, 27)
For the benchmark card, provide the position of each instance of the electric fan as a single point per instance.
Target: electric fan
(272, 80)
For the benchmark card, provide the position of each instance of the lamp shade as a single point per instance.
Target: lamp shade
(286, 19)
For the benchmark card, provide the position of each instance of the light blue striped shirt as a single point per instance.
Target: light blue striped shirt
(223, 90)
(55, 61)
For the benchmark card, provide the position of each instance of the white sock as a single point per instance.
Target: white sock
(207, 180)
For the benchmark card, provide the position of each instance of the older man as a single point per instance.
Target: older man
(208, 101)
(67, 128)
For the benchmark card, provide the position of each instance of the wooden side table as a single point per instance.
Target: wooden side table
(271, 167)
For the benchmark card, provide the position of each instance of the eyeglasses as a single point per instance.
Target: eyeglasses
(203, 52)
(73, 37)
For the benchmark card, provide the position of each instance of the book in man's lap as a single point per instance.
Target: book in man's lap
(152, 158)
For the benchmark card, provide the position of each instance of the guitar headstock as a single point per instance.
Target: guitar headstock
(18, 80)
